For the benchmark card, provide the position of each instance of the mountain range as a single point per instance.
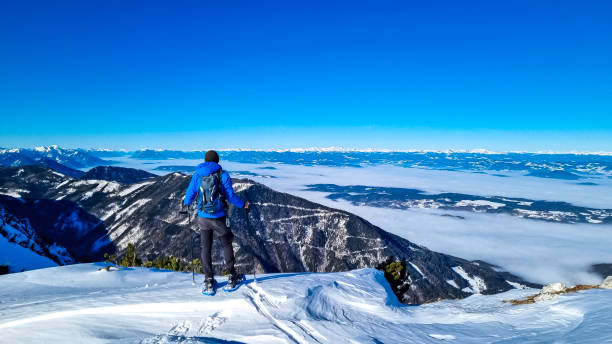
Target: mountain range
(584, 167)
(72, 158)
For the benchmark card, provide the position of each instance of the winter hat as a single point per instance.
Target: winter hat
(211, 155)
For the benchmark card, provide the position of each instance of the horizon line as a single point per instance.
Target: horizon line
(330, 149)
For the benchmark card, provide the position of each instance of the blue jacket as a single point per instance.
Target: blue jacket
(205, 169)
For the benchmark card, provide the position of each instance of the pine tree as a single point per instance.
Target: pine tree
(130, 259)
(397, 275)
(195, 265)
(110, 259)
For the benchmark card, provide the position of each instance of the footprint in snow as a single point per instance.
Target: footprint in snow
(212, 322)
(180, 329)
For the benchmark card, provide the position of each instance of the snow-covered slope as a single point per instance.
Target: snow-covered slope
(80, 303)
(18, 257)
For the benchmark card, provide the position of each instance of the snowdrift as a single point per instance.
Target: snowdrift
(82, 303)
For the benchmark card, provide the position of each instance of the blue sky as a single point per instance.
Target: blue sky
(503, 75)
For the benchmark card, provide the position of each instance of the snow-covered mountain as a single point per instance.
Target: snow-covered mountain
(586, 167)
(73, 158)
(117, 174)
(283, 233)
(85, 303)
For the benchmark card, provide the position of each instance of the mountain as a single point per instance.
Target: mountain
(54, 165)
(117, 174)
(283, 233)
(73, 158)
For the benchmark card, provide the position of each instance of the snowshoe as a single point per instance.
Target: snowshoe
(234, 282)
(210, 287)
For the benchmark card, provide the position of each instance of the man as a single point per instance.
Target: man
(213, 187)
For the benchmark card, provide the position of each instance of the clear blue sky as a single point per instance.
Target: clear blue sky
(502, 75)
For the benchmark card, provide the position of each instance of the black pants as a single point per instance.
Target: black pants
(218, 226)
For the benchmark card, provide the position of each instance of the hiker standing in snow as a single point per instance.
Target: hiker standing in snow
(213, 187)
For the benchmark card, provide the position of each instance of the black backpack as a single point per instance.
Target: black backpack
(210, 197)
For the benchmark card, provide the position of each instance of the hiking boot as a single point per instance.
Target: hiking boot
(233, 280)
(209, 287)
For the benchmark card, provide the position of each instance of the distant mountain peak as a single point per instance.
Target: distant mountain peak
(47, 148)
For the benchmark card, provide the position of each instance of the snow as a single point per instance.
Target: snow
(101, 185)
(63, 183)
(442, 336)
(111, 209)
(417, 269)
(477, 284)
(238, 187)
(452, 283)
(80, 303)
(16, 193)
(133, 188)
(516, 285)
(129, 210)
(18, 258)
(479, 203)
(61, 253)
(100, 242)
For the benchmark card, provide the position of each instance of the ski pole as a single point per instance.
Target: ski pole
(192, 262)
(248, 211)
(188, 212)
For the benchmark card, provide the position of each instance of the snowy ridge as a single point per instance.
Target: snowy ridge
(81, 303)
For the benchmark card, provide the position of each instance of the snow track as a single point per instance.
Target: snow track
(258, 299)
